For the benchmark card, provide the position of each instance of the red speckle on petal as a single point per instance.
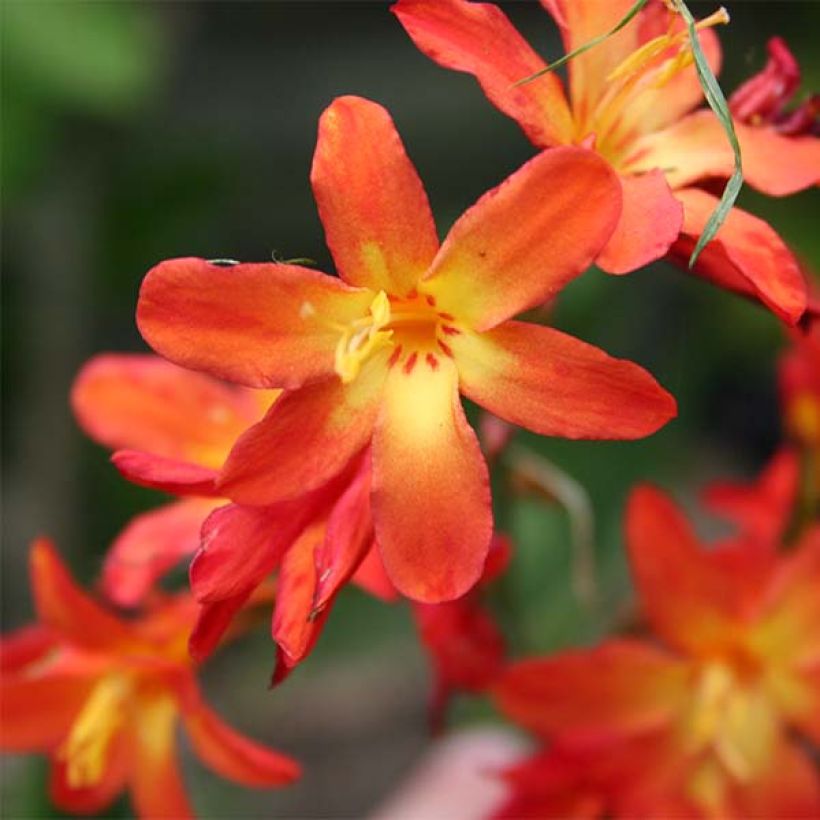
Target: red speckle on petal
(394, 356)
(448, 330)
(446, 349)
(410, 363)
(432, 361)
(448, 317)
(431, 300)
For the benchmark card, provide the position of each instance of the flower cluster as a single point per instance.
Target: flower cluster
(311, 429)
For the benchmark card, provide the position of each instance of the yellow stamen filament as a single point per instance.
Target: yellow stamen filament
(84, 751)
(363, 337)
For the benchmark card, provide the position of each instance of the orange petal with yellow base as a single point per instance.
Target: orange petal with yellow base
(234, 756)
(746, 256)
(479, 39)
(374, 209)
(594, 696)
(261, 325)
(431, 495)
(142, 402)
(527, 238)
(556, 385)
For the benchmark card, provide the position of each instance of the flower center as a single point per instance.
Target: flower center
(84, 751)
(411, 326)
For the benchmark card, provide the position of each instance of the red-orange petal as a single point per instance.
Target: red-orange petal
(594, 696)
(261, 325)
(24, 646)
(306, 439)
(696, 148)
(556, 385)
(233, 755)
(150, 545)
(67, 609)
(527, 238)
(213, 621)
(168, 475)
(372, 577)
(479, 39)
(650, 222)
(141, 402)
(746, 256)
(431, 496)
(374, 209)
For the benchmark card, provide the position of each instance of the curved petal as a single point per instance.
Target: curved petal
(90, 799)
(556, 385)
(213, 621)
(261, 325)
(689, 600)
(152, 544)
(233, 755)
(23, 646)
(140, 402)
(650, 222)
(431, 495)
(157, 790)
(371, 576)
(581, 21)
(375, 212)
(599, 695)
(66, 608)
(36, 713)
(307, 438)
(168, 475)
(527, 238)
(746, 256)
(477, 38)
(696, 148)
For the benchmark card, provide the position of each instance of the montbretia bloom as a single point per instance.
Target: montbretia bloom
(171, 429)
(713, 716)
(631, 100)
(103, 698)
(378, 357)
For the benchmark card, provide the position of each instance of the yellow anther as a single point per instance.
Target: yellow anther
(362, 338)
(84, 750)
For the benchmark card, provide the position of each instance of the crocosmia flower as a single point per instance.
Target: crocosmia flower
(378, 357)
(171, 429)
(713, 718)
(103, 697)
(631, 99)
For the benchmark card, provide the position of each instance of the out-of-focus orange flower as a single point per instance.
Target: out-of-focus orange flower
(379, 357)
(163, 421)
(103, 698)
(631, 99)
(799, 374)
(703, 724)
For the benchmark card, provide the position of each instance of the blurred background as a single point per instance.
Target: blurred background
(134, 132)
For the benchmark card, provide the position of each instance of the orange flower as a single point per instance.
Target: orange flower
(631, 99)
(103, 697)
(172, 430)
(702, 725)
(380, 356)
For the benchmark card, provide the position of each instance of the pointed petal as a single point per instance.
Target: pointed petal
(527, 238)
(371, 576)
(581, 21)
(36, 713)
(650, 222)
(152, 544)
(307, 438)
(685, 595)
(760, 509)
(555, 385)
(24, 646)
(431, 497)
(377, 220)
(477, 38)
(213, 621)
(138, 402)
(261, 325)
(746, 256)
(66, 608)
(292, 628)
(91, 799)
(696, 148)
(600, 695)
(348, 537)
(235, 756)
(158, 473)
(157, 789)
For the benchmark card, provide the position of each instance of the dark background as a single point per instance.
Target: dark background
(133, 132)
